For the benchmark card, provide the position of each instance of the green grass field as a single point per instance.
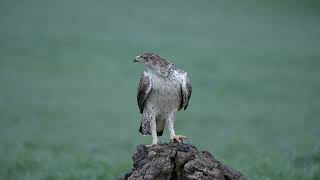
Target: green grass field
(68, 86)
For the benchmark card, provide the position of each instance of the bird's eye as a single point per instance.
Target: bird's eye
(145, 57)
(152, 57)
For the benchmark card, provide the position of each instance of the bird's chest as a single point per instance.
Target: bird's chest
(166, 93)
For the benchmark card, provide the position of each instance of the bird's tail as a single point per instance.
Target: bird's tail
(160, 126)
(145, 130)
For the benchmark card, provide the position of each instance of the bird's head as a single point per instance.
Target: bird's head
(153, 62)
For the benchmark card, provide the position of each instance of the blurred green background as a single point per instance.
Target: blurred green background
(68, 86)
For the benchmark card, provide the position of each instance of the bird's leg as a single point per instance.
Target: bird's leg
(172, 134)
(153, 132)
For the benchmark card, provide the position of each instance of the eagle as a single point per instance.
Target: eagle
(163, 90)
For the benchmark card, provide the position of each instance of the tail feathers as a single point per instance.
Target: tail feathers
(144, 131)
(159, 132)
(160, 126)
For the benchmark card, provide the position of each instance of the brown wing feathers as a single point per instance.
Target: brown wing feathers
(186, 90)
(143, 91)
(189, 89)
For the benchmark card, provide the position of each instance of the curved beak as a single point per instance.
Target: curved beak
(136, 59)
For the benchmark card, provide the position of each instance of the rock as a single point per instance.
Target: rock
(172, 161)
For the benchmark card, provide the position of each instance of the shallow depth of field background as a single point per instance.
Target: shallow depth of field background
(68, 86)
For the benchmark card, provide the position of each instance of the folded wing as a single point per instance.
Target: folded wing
(186, 90)
(144, 89)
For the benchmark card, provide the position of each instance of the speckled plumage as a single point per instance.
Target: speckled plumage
(163, 90)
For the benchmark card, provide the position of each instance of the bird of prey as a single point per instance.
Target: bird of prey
(163, 90)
